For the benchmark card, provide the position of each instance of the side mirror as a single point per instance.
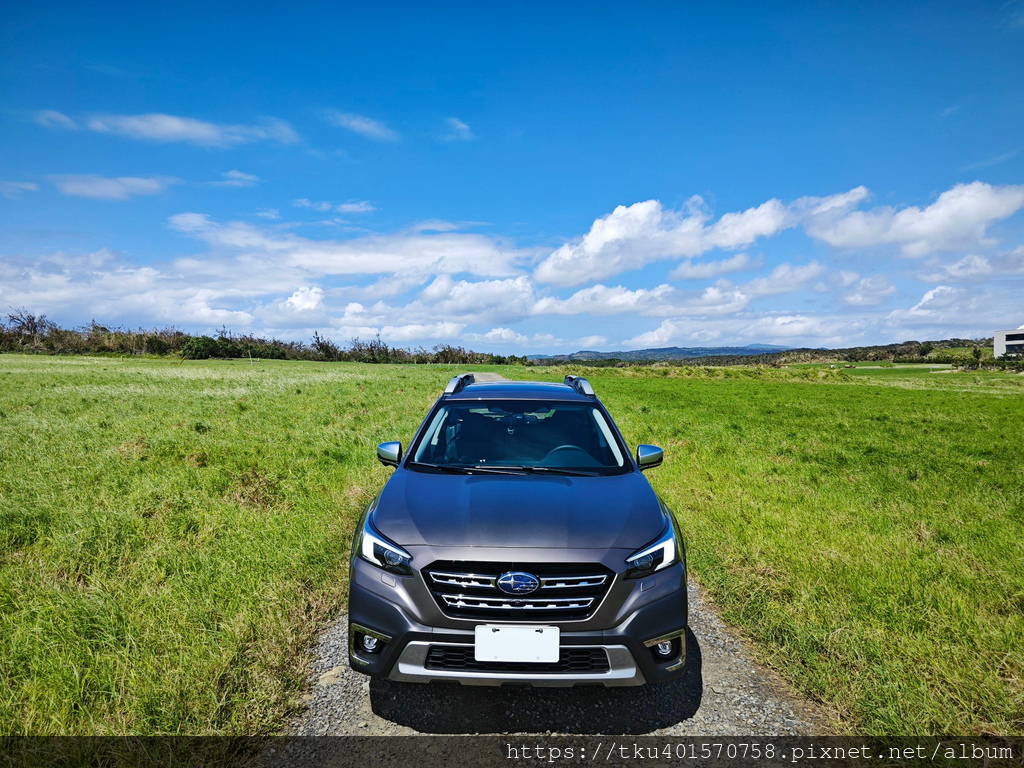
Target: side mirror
(389, 454)
(649, 457)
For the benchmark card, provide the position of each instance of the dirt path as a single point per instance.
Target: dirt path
(724, 691)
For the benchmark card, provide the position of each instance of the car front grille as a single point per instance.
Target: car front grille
(461, 658)
(567, 592)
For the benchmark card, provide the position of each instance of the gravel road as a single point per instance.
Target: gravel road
(724, 691)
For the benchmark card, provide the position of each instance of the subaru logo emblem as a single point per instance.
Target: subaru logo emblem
(518, 583)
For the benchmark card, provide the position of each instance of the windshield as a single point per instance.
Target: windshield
(521, 435)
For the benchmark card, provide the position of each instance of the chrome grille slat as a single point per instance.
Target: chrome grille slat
(567, 591)
(462, 579)
(572, 582)
(517, 603)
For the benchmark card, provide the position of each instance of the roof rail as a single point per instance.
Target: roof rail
(458, 383)
(580, 384)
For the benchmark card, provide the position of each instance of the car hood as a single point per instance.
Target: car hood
(552, 511)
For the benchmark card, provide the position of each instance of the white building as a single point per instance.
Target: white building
(1008, 343)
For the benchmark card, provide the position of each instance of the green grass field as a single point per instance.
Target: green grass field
(172, 536)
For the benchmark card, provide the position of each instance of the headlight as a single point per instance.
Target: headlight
(652, 558)
(375, 549)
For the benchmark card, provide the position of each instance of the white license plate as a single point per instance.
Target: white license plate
(496, 642)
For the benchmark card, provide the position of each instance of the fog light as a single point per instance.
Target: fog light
(664, 648)
(370, 644)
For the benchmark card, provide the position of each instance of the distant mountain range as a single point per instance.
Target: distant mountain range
(666, 353)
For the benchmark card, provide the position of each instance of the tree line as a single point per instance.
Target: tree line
(28, 333)
(35, 334)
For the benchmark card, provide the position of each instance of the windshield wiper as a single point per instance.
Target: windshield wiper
(550, 470)
(459, 469)
(562, 471)
(455, 470)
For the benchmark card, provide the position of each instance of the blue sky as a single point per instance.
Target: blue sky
(527, 178)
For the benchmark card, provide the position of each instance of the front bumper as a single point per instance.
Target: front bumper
(657, 612)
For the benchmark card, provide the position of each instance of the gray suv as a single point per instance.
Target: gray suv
(518, 542)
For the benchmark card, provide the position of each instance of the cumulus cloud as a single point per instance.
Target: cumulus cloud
(481, 300)
(660, 301)
(12, 190)
(976, 267)
(499, 336)
(632, 236)
(361, 125)
(959, 218)
(932, 307)
(418, 331)
(105, 284)
(168, 129)
(306, 299)
(776, 328)
(458, 131)
(103, 188)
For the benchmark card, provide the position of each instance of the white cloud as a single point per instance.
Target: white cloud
(442, 253)
(511, 298)
(458, 131)
(662, 301)
(869, 291)
(103, 188)
(12, 190)
(959, 218)
(845, 278)
(441, 331)
(321, 206)
(167, 129)
(602, 300)
(356, 206)
(974, 267)
(633, 236)
(932, 306)
(352, 206)
(51, 118)
(235, 179)
(269, 213)
(688, 270)
(306, 299)
(500, 336)
(364, 126)
(785, 278)
(775, 328)
(592, 342)
(734, 230)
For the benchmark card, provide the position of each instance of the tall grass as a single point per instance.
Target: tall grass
(867, 531)
(172, 536)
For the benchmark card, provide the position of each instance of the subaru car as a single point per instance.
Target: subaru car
(518, 542)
